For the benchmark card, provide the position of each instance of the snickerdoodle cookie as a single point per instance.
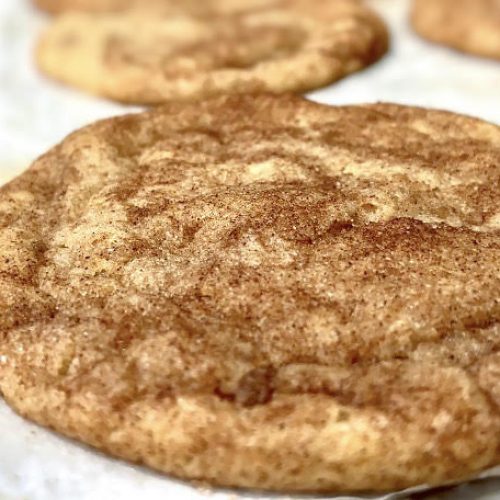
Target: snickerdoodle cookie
(263, 292)
(147, 58)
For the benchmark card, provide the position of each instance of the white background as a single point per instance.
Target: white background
(36, 113)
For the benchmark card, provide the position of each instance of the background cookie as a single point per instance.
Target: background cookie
(58, 6)
(467, 25)
(262, 292)
(143, 58)
(193, 6)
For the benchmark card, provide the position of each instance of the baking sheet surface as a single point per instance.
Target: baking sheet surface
(35, 113)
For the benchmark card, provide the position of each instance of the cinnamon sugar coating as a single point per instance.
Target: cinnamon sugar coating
(262, 292)
(149, 57)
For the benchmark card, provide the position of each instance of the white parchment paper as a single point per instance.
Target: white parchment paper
(35, 113)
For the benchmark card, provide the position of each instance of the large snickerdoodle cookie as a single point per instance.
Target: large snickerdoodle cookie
(262, 292)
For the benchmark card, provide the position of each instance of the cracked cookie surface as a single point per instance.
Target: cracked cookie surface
(262, 292)
(145, 58)
(471, 26)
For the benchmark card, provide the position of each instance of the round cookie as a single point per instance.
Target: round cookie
(471, 26)
(262, 292)
(141, 58)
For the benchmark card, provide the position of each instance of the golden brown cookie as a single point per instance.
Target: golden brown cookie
(142, 58)
(262, 292)
(58, 6)
(467, 25)
(193, 6)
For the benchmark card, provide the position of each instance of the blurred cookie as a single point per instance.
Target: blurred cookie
(262, 292)
(142, 58)
(58, 6)
(467, 25)
(192, 6)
